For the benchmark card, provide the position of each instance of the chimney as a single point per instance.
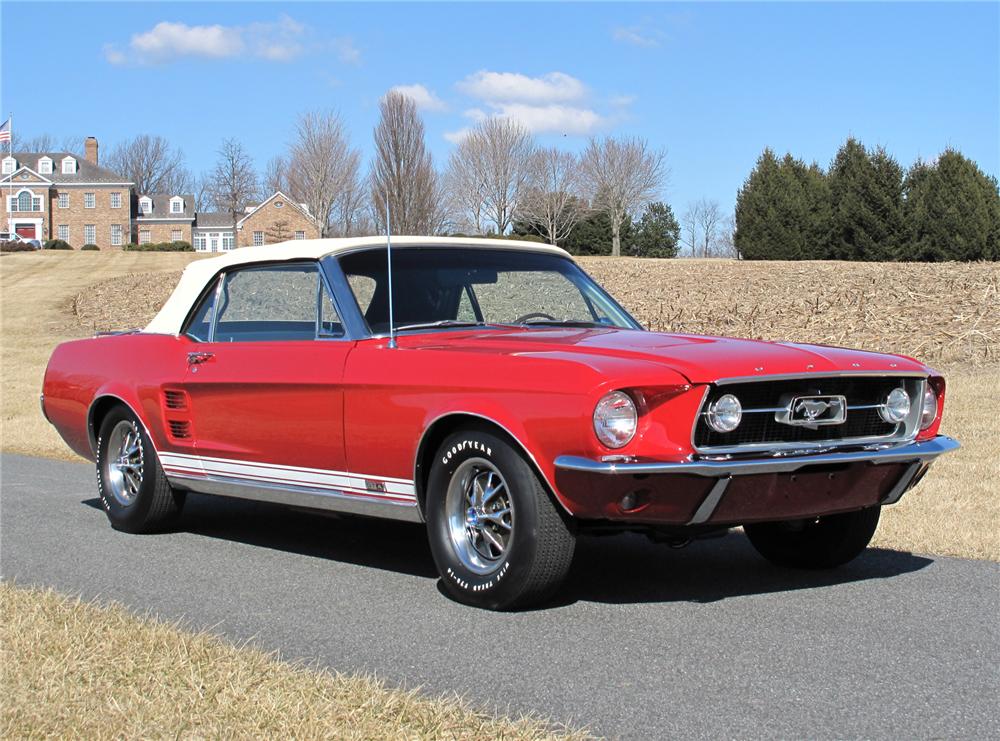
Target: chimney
(90, 150)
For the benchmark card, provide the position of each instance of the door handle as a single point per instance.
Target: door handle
(195, 358)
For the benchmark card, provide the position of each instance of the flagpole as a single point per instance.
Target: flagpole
(10, 180)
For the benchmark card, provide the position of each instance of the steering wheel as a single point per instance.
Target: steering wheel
(534, 315)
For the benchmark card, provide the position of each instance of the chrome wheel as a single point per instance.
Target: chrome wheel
(123, 464)
(480, 515)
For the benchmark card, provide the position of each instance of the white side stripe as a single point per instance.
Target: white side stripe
(293, 475)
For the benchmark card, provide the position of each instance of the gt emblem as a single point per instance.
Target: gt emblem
(812, 411)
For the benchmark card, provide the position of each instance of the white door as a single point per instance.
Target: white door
(213, 242)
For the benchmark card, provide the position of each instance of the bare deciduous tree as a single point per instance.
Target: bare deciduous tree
(234, 182)
(151, 163)
(402, 172)
(552, 203)
(46, 143)
(322, 165)
(275, 177)
(623, 175)
(704, 229)
(349, 217)
(489, 171)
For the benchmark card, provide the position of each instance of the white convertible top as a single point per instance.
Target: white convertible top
(197, 275)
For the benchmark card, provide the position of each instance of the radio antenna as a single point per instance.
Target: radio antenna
(388, 256)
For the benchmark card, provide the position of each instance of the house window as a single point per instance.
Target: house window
(116, 235)
(278, 204)
(44, 166)
(176, 235)
(62, 231)
(258, 239)
(89, 234)
(64, 200)
(199, 241)
(68, 166)
(300, 235)
(228, 241)
(145, 205)
(144, 236)
(176, 206)
(24, 201)
(89, 200)
(8, 165)
(116, 200)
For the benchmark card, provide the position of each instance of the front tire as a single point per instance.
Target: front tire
(133, 488)
(497, 538)
(821, 543)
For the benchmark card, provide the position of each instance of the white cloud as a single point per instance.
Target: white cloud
(425, 99)
(512, 87)
(346, 51)
(166, 42)
(637, 35)
(455, 137)
(622, 101)
(553, 118)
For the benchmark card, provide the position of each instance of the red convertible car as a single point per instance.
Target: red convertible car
(494, 391)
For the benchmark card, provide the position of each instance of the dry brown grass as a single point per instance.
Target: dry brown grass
(948, 314)
(79, 670)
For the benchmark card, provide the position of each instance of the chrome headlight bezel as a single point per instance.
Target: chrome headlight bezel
(615, 419)
(724, 414)
(896, 407)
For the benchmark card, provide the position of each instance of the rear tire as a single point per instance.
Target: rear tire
(822, 543)
(498, 539)
(133, 488)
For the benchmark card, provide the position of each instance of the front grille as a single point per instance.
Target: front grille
(760, 399)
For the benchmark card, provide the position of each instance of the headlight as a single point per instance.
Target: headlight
(896, 406)
(928, 412)
(724, 414)
(615, 419)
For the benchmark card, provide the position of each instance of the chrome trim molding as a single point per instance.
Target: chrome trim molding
(707, 507)
(923, 451)
(299, 496)
(821, 374)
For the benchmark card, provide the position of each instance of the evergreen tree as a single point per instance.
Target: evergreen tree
(866, 198)
(952, 211)
(592, 235)
(657, 233)
(782, 211)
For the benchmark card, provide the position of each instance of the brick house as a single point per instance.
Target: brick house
(59, 195)
(164, 218)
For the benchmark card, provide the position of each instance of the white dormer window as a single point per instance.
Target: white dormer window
(9, 163)
(145, 205)
(45, 166)
(68, 165)
(176, 205)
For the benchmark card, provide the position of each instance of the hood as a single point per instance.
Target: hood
(700, 359)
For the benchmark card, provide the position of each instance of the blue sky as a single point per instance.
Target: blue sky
(712, 83)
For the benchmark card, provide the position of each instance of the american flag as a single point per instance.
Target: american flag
(5, 131)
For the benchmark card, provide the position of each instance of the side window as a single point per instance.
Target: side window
(199, 324)
(269, 303)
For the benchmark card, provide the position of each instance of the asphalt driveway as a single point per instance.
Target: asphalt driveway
(646, 641)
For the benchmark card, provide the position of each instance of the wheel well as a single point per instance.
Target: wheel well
(444, 426)
(99, 409)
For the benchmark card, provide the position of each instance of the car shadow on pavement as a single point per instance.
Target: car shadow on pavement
(633, 569)
(619, 569)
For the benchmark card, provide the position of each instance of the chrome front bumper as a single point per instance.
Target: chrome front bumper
(917, 452)
(725, 473)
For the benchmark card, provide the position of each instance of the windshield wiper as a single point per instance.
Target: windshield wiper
(441, 323)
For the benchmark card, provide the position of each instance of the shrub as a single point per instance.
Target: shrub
(160, 247)
(57, 244)
(90, 247)
(13, 246)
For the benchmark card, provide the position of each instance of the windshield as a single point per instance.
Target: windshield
(475, 286)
